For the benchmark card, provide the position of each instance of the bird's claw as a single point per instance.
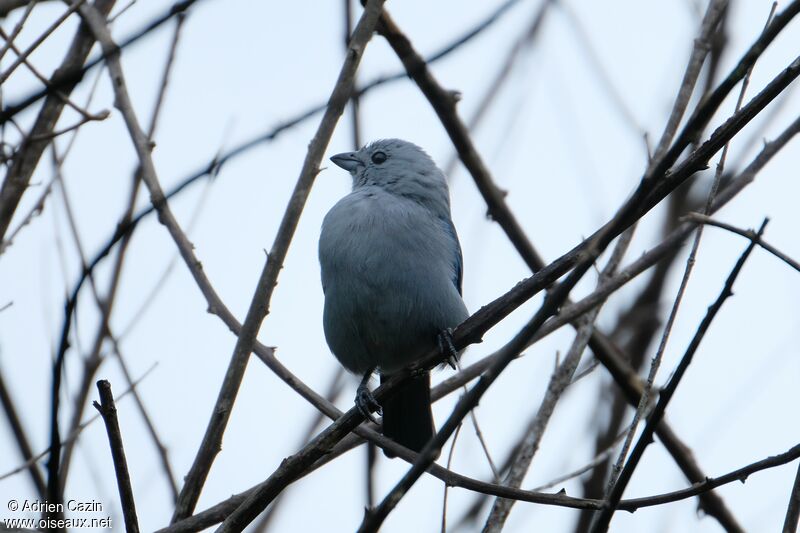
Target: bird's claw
(366, 403)
(447, 348)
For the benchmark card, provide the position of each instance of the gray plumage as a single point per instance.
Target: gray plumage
(391, 267)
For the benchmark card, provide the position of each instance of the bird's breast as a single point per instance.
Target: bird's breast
(387, 277)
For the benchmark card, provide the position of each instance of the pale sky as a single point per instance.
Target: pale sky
(554, 139)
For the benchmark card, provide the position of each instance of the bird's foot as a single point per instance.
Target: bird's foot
(447, 348)
(366, 402)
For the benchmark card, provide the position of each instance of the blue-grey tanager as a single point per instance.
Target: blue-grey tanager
(391, 273)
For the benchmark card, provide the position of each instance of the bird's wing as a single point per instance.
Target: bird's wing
(458, 260)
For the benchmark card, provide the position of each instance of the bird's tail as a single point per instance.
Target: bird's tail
(407, 416)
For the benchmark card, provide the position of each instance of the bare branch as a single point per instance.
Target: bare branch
(747, 234)
(22, 57)
(220, 511)
(647, 195)
(604, 517)
(699, 52)
(559, 381)
(19, 175)
(74, 435)
(106, 304)
(71, 77)
(14, 186)
(261, 299)
(108, 410)
(690, 262)
(793, 509)
(21, 438)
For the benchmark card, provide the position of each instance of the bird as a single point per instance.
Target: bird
(392, 268)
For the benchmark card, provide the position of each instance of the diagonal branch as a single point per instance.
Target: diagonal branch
(74, 75)
(604, 517)
(217, 513)
(625, 376)
(105, 304)
(25, 162)
(341, 93)
(73, 435)
(298, 464)
(21, 438)
(649, 193)
(266, 283)
(559, 381)
(444, 105)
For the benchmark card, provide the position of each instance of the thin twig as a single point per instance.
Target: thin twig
(559, 381)
(333, 392)
(484, 446)
(11, 192)
(596, 461)
(34, 212)
(105, 305)
(23, 165)
(268, 279)
(22, 56)
(17, 27)
(700, 50)
(793, 509)
(526, 39)
(690, 262)
(606, 84)
(655, 186)
(214, 166)
(708, 484)
(446, 486)
(67, 129)
(21, 438)
(746, 233)
(86, 116)
(108, 410)
(655, 417)
(220, 511)
(73, 435)
(73, 76)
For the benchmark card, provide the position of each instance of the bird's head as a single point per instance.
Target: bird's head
(399, 167)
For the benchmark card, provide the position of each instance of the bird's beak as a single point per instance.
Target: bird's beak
(346, 160)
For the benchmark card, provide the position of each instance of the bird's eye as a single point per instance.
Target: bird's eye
(378, 158)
